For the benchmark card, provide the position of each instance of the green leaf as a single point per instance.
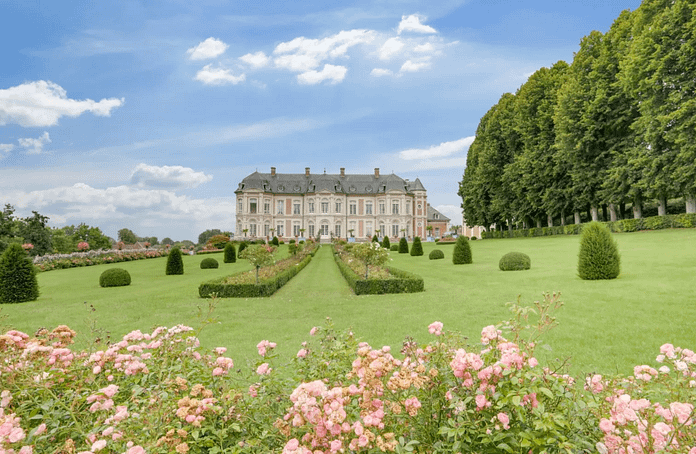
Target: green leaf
(546, 392)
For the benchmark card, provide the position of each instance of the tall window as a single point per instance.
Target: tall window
(324, 207)
(382, 210)
(296, 208)
(395, 207)
(252, 229)
(353, 208)
(241, 206)
(267, 206)
(280, 204)
(408, 208)
(311, 229)
(279, 230)
(337, 230)
(395, 230)
(296, 229)
(368, 208)
(310, 206)
(368, 229)
(266, 229)
(324, 230)
(338, 207)
(252, 206)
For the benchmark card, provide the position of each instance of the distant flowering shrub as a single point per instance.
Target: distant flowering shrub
(159, 392)
(89, 258)
(27, 246)
(82, 246)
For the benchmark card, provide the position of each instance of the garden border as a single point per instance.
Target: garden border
(404, 281)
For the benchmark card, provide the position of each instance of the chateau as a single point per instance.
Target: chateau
(289, 205)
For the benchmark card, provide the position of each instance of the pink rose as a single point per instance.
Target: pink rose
(302, 353)
(504, 419)
(263, 369)
(435, 328)
(98, 445)
(313, 331)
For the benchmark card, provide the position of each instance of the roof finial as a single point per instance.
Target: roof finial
(324, 170)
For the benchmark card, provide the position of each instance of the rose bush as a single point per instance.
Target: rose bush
(159, 392)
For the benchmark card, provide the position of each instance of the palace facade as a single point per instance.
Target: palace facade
(289, 205)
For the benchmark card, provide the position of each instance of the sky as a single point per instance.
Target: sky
(147, 114)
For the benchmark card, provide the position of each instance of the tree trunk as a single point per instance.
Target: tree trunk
(637, 208)
(563, 218)
(366, 270)
(509, 228)
(577, 217)
(661, 206)
(594, 213)
(612, 212)
(549, 220)
(538, 223)
(690, 200)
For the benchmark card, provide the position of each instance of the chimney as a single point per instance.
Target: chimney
(343, 171)
(376, 172)
(306, 171)
(272, 171)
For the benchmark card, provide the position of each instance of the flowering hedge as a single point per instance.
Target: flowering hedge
(77, 259)
(160, 393)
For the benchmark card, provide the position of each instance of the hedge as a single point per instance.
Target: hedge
(265, 288)
(669, 221)
(402, 281)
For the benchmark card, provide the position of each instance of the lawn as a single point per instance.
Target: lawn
(604, 326)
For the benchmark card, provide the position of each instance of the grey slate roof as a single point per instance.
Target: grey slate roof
(432, 212)
(299, 183)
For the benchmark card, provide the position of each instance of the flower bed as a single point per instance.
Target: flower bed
(381, 280)
(77, 259)
(271, 278)
(160, 393)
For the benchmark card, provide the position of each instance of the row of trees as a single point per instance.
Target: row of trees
(615, 128)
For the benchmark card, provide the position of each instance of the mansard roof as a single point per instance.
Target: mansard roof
(299, 183)
(434, 215)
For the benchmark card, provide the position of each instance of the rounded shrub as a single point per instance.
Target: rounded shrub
(462, 252)
(115, 277)
(515, 261)
(403, 246)
(436, 254)
(275, 241)
(230, 254)
(175, 263)
(209, 263)
(417, 248)
(386, 244)
(394, 247)
(17, 276)
(599, 255)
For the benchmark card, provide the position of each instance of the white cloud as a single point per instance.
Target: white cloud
(257, 60)
(453, 212)
(35, 146)
(412, 23)
(218, 76)
(427, 47)
(390, 48)
(411, 66)
(380, 72)
(438, 151)
(333, 73)
(205, 50)
(42, 103)
(167, 177)
(303, 54)
(5, 149)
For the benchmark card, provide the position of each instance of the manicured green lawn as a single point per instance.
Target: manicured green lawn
(605, 326)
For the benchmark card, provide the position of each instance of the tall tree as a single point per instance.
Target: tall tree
(127, 236)
(35, 230)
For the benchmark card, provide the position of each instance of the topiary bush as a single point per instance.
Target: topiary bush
(515, 261)
(386, 244)
(275, 241)
(115, 277)
(242, 246)
(436, 254)
(462, 252)
(394, 247)
(230, 254)
(209, 263)
(375, 239)
(599, 255)
(17, 276)
(417, 248)
(175, 263)
(403, 246)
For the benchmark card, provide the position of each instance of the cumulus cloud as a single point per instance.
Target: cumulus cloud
(438, 151)
(413, 23)
(167, 177)
(453, 212)
(218, 76)
(5, 149)
(257, 60)
(423, 48)
(390, 48)
(333, 73)
(205, 50)
(35, 146)
(380, 72)
(304, 54)
(42, 103)
(410, 66)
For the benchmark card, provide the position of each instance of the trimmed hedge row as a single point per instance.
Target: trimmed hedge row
(669, 221)
(265, 288)
(403, 282)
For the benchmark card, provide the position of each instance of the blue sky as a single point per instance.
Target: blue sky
(147, 114)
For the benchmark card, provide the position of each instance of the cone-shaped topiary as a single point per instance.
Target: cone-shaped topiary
(599, 256)
(436, 254)
(403, 246)
(17, 276)
(417, 248)
(242, 246)
(462, 251)
(386, 244)
(175, 263)
(375, 239)
(209, 263)
(230, 254)
(275, 241)
(115, 277)
(515, 261)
